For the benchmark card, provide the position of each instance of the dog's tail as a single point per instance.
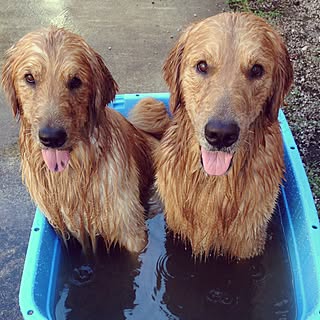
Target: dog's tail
(150, 116)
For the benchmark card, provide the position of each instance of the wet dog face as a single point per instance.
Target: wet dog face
(227, 71)
(58, 85)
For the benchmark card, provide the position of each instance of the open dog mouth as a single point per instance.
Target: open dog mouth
(55, 159)
(53, 140)
(216, 163)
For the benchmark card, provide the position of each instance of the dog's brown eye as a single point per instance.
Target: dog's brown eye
(202, 67)
(256, 71)
(29, 78)
(74, 83)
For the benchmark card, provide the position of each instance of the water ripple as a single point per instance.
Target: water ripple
(162, 268)
(82, 275)
(218, 296)
(257, 272)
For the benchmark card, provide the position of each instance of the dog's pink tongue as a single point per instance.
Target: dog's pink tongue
(56, 160)
(215, 163)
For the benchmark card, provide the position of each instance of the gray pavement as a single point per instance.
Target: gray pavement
(133, 37)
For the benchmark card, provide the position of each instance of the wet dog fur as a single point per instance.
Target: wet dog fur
(220, 163)
(92, 178)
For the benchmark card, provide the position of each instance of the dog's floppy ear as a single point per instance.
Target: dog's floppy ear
(104, 87)
(7, 82)
(171, 71)
(282, 79)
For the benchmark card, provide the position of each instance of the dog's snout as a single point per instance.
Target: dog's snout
(221, 134)
(52, 137)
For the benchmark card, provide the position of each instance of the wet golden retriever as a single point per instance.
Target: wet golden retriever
(85, 166)
(220, 163)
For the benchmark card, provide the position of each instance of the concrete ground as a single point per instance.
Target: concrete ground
(134, 38)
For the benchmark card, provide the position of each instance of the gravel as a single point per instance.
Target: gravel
(298, 23)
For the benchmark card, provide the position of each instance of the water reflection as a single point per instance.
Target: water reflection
(97, 287)
(151, 282)
(166, 282)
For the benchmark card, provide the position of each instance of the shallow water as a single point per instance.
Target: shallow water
(165, 282)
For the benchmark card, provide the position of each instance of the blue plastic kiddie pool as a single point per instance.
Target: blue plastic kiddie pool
(299, 223)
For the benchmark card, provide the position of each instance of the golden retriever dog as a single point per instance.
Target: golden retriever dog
(85, 165)
(220, 162)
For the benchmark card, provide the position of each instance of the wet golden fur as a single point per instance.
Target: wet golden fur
(110, 169)
(225, 214)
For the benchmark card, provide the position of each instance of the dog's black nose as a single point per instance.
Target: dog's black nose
(52, 137)
(221, 133)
